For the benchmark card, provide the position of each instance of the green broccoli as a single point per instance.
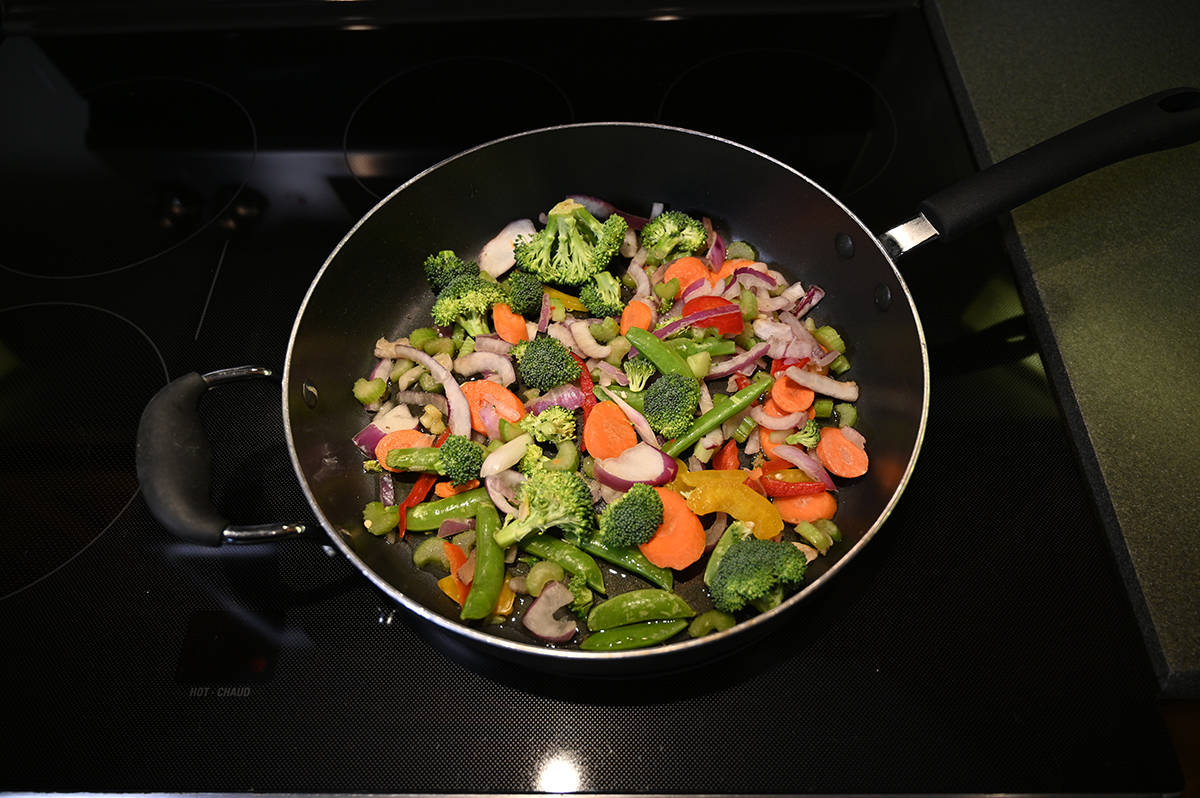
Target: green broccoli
(602, 295)
(670, 404)
(809, 435)
(754, 572)
(533, 461)
(581, 605)
(550, 499)
(553, 425)
(518, 351)
(458, 458)
(639, 369)
(442, 267)
(572, 246)
(525, 292)
(544, 363)
(672, 235)
(467, 300)
(631, 519)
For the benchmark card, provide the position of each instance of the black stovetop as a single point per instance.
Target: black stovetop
(167, 198)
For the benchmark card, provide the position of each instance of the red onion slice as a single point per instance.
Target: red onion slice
(618, 376)
(569, 396)
(452, 526)
(423, 398)
(492, 343)
(480, 362)
(805, 462)
(814, 295)
(602, 208)
(539, 618)
(714, 532)
(490, 419)
(544, 313)
(501, 489)
(847, 391)
(716, 252)
(387, 489)
(697, 319)
(776, 422)
(382, 368)
(367, 438)
(640, 463)
(641, 282)
(698, 287)
(459, 421)
(850, 434)
(736, 363)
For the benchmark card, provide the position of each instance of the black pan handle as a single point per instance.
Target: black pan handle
(174, 464)
(1159, 122)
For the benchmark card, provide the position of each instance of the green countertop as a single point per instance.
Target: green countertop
(1109, 268)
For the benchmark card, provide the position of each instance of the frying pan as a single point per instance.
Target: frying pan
(371, 286)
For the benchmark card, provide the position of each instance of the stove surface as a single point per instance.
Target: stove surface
(166, 200)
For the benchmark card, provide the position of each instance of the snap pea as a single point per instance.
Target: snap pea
(635, 399)
(715, 417)
(630, 559)
(635, 635)
(430, 515)
(664, 358)
(489, 566)
(635, 606)
(572, 559)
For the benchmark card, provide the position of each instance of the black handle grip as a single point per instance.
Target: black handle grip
(1158, 122)
(174, 463)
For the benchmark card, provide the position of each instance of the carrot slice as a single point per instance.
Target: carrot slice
(446, 489)
(607, 431)
(790, 396)
(772, 408)
(509, 326)
(688, 270)
(728, 268)
(839, 455)
(806, 507)
(636, 314)
(400, 439)
(480, 392)
(679, 540)
(767, 440)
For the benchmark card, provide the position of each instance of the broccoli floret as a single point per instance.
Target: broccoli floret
(754, 571)
(533, 461)
(572, 246)
(670, 404)
(639, 369)
(583, 599)
(550, 499)
(525, 292)
(442, 267)
(631, 519)
(553, 425)
(518, 351)
(672, 235)
(458, 458)
(545, 363)
(467, 300)
(809, 435)
(602, 295)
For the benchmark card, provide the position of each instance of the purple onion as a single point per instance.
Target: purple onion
(602, 208)
(569, 396)
(805, 462)
(716, 252)
(452, 526)
(387, 489)
(736, 363)
(695, 319)
(539, 618)
(492, 343)
(639, 422)
(810, 299)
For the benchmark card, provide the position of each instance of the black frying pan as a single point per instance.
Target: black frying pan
(371, 286)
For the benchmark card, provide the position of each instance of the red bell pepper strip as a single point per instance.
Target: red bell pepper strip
(780, 363)
(727, 458)
(778, 487)
(730, 323)
(589, 397)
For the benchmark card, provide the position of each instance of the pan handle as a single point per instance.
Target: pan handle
(174, 464)
(1159, 122)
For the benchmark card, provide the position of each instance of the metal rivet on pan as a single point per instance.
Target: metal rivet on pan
(883, 296)
(309, 392)
(844, 244)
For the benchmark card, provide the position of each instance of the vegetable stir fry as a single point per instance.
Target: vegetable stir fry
(612, 388)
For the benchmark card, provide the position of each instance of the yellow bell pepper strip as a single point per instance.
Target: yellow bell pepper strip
(741, 502)
(570, 303)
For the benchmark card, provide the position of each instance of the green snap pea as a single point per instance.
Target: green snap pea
(428, 516)
(572, 559)
(489, 566)
(710, 621)
(635, 606)
(717, 416)
(635, 635)
(635, 399)
(664, 358)
(629, 559)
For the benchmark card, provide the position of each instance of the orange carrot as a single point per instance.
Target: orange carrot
(447, 489)
(806, 507)
(509, 326)
(728, 268)
(790, 396)
(636, 314)
(400, 439)
(451, 585)
(688, 270)
(607, 432)
(839, 455)
(679, 540)
(767, 443)
(480, 392)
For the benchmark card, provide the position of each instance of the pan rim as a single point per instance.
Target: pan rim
(742, 633)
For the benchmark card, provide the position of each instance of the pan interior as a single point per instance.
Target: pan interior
(372, 286)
